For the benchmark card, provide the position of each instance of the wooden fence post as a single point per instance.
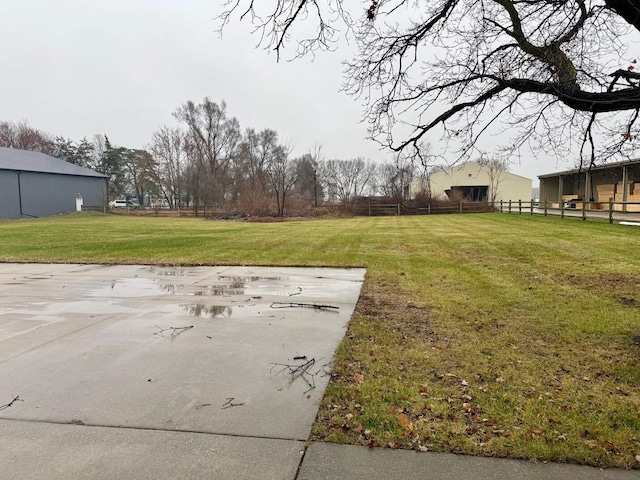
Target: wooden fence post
(545, 207)
(509, 206)
(562, 208)
(531, 206)
(460, 206)
(519, 207)
(584, 211)
(611, 210)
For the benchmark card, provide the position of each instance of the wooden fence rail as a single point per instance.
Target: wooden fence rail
(374, 209)
(573, 208)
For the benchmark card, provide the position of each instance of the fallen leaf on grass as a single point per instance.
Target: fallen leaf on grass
(405, 422)
(591, 433)
(611, 447)
(358, 378)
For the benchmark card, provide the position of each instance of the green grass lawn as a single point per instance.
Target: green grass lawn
(487, 334)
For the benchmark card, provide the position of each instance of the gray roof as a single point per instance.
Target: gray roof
(27, 161)
(604, 166)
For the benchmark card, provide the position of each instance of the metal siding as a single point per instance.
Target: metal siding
(45, 194)
(9, 203)
(510, 186)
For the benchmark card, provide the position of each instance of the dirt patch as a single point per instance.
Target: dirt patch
(629, 302)
(398, 314)
(605, 282)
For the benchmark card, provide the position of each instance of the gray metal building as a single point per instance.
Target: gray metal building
(33, 184)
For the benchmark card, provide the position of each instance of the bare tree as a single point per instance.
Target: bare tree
(496, 169)
(395, 178)
(212, 141)
(256, 153)
(139, 168)
(282, 176)
(348, 179)
(21, 135)
(167, 148)
(554, 74)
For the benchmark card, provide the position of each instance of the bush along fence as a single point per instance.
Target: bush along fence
(576, 208)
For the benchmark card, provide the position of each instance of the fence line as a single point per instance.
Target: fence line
(160, 212)
(569, 208)
(389, 209)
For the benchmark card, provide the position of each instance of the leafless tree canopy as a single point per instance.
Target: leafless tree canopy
(552, 74)
(21, 135)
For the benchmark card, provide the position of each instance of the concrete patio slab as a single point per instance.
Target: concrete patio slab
(192, 349)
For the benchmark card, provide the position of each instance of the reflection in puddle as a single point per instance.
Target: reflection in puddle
(235, 288)
(171, 289)
(213, 311)
(170, 273)
(245, 280)
(228, 286)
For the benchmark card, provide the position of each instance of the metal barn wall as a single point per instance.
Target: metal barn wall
(574, 183)
(9, 200)
(45, 194)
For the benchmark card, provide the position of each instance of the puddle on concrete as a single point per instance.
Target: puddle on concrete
(143, 287)
(136, 287)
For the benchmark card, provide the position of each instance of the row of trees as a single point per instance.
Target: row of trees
(207, 160)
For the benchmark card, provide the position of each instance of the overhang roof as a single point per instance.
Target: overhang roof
(605, 166)
(27, 161)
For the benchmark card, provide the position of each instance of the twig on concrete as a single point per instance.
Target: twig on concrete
(325, 369)
(229, 403)
(175, 331)
(296, 293)
(304, 305)
(298, 371)
(10, 404)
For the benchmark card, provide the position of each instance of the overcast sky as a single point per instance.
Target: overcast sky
(77, 68)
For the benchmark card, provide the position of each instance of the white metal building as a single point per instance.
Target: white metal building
(473, 181)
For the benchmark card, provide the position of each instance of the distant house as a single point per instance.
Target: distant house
(476, 182)
(33, 184)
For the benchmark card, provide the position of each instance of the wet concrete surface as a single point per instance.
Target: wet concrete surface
(199, 350)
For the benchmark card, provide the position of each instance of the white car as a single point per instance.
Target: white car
(122, 203)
